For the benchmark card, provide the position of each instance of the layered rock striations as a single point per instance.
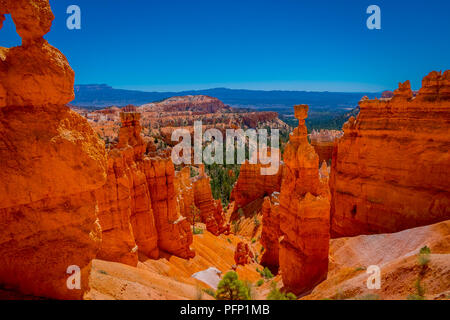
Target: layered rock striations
(304, 213)
(138, 203)
(390, 170)
(51, 163)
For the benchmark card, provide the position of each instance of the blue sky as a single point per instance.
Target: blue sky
(283, 44)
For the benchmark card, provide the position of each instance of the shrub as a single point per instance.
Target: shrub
(197, 230)
(210, 292)
(266, 273)
(260, 282)
(423, 260)
(231, 288)
(424, 256)
(276, 294)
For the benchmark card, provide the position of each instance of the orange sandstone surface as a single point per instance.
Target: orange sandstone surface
(397, 256)
(139, 201)
(170, 277)
(391, 169)
(51, 163)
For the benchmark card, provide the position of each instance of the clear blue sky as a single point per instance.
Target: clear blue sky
(256, 44)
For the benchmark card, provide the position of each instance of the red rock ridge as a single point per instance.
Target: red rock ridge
(304, 213)
(51, 162)
(391, 170)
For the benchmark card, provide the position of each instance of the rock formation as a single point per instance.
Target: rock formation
(304, 213)
(252, 185)
(185, 194)
(126, 214)
(174, 231)
(51, 162)
(270, 234)
(390, 171)
(211, 212)
(243, 255)
(138, 203)
(323, 143)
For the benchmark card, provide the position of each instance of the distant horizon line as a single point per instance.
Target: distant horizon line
(223, 88)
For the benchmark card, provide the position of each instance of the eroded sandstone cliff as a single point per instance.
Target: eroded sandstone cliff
(391, 170)
(51, 162)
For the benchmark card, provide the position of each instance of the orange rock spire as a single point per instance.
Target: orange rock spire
(304, 213)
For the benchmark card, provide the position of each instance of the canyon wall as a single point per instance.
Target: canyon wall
(304, 213)
(51, 163)
(391, 169)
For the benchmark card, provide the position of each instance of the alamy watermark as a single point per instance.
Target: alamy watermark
(374, 21)
(73, 22)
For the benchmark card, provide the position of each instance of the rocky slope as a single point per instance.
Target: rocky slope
(397, 256)
(170, 277)
(391, 169)
(51, 162)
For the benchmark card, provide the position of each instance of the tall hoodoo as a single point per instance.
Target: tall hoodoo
(391, 170)
(304, 213)
(51, 161)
